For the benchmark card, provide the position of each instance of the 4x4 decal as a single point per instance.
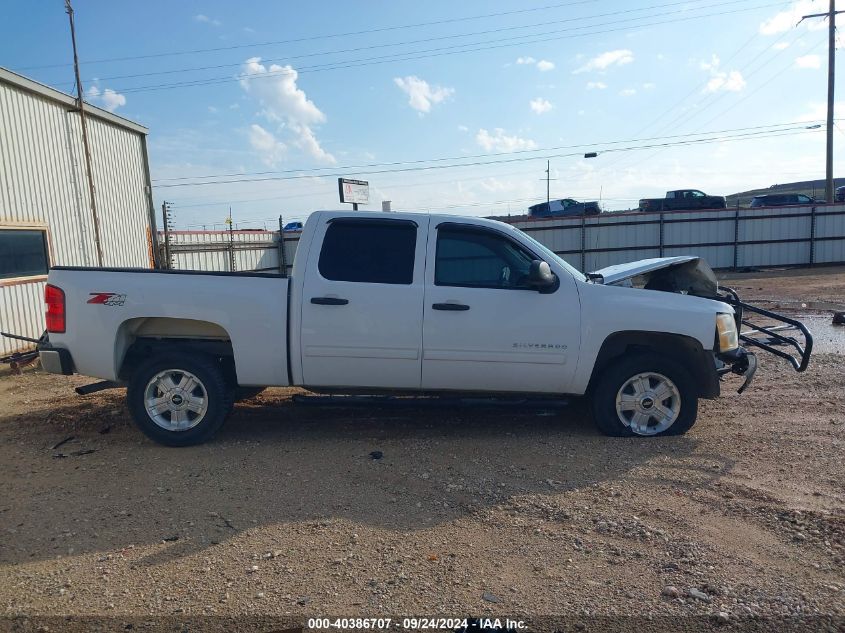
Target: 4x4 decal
(107, 299)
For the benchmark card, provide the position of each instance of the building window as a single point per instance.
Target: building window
(375, 252)
(23, 253)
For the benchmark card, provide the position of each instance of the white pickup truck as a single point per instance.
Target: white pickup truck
(407, 304)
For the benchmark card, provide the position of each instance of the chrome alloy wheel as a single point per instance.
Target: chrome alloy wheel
(175, 400)
(648, 403)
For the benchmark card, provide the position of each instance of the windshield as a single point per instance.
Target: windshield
(551, 255)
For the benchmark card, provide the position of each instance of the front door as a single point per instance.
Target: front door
(362, 304)
(484, 327)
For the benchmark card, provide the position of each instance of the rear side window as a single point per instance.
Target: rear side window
(374, 252)
(23, 253)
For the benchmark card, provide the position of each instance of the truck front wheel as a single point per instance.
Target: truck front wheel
(179, 400)
(644, 395)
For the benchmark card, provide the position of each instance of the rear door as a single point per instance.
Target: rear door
(362, 304)
(484, 329)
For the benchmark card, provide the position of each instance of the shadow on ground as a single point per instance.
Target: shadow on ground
(279, 463)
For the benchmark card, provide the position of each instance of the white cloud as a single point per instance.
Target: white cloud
(817, 111)
(107, 99)
(619, 57)
(540, 105)
(808, 61)
(207, 20)
(628, 92)
(266, 144)
(501, 142)
(463, 128)
(785, 20)
(729, 81)
(780, 46)
(713, 64)
(285, 103)
(648, 85)
(543, 65)
(596, 85)
(213, 109)
(421, 94)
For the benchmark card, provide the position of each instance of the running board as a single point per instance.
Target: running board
(432, 402)
(94, 387)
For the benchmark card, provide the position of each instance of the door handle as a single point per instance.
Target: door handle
(329, 301)
(454, 307)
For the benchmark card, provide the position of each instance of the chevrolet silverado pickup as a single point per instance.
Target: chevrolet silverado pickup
(683, 200)
(406, 304)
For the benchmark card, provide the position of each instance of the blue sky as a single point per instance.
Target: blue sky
(282, 97)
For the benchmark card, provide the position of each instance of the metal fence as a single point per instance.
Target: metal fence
(259, 251)
(726, 238)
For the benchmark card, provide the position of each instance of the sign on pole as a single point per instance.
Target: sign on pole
(353, 192)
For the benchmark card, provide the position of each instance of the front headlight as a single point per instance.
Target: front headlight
(726, 329)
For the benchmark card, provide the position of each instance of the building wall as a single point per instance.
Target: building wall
(43, 184)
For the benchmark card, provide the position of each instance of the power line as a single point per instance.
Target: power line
(320, 37)
(763, 134)
(711, 100)
(473, 156)
(440, 38)
(732, 106)
(425, 54)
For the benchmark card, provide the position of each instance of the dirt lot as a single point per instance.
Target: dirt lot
(287, 513)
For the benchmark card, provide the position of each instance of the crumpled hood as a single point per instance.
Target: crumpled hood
(687, 274)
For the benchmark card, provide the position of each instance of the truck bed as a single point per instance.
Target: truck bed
(109, 308)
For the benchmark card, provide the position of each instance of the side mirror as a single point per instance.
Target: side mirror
(540, 275)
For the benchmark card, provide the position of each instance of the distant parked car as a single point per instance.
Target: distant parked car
(563, 207)
(683, 199)
(781, 200)
(840, 194)
(292, 226)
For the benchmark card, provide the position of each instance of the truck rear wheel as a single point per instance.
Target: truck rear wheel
(644, 395)
(179, 400)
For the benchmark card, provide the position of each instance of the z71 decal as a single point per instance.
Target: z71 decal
(107, 299)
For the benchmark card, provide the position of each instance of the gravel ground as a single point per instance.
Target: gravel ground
(297, 511)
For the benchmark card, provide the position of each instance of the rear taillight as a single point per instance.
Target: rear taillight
(55, 298)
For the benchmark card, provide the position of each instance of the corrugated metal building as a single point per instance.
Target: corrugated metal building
(45, 211)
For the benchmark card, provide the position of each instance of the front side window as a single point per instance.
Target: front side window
(23, 253)
(803, 199)
(376, 252)
(479, 259)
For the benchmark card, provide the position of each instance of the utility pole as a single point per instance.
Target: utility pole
(548, 180)
(231, 242)
(89, 172)
(831, 68)
(167, 221)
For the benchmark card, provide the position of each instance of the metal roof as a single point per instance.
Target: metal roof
(29, 85)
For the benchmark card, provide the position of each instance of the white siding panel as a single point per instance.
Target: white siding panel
(42, 182)
(22, 313)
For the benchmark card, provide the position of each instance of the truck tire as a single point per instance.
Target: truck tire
(179, 400)
(644, 395)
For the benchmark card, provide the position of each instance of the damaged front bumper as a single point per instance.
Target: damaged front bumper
(770, 332)
(740, 362)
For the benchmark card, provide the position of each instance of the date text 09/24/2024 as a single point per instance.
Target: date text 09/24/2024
(416, 624)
